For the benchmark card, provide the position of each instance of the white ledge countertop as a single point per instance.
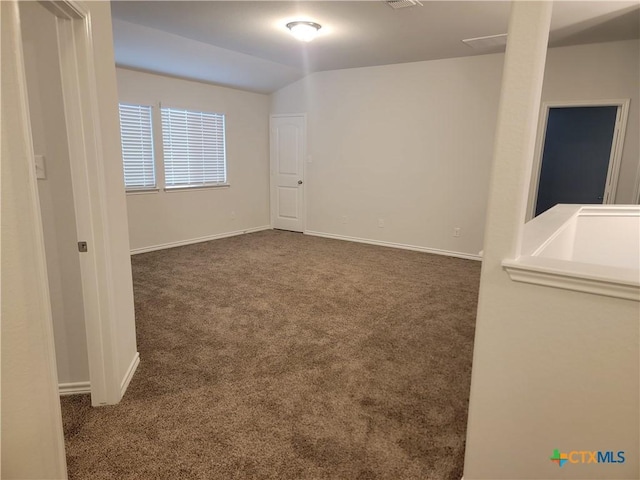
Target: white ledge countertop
(586, 248)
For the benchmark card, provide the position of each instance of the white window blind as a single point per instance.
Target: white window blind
(137, 146)
(194, 148)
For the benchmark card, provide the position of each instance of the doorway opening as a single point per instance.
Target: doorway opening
(55, 192)
(62, 99)
(578, 154)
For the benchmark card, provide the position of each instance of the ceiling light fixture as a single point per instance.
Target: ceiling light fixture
(304, 31)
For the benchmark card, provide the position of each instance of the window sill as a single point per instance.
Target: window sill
(145, 191)
(195, 187)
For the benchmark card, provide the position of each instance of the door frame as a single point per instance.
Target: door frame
(80, 100)
(272, 176)
(615, 157)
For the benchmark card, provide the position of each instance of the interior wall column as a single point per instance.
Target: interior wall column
(513, 157)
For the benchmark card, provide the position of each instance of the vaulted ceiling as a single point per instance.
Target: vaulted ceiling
(245, 44)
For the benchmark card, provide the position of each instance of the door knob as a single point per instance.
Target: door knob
(299, 182)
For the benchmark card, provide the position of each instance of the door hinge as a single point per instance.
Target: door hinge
(82, 247)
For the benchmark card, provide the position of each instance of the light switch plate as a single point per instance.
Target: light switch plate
(41, 171)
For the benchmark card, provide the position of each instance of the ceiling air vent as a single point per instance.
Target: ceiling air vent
(397, 4)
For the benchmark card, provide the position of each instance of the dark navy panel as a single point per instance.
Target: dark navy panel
(575, 158)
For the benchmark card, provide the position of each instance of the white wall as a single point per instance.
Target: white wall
(55, 192)
(120, 286)
(597, 72)
(408, 143)
(412, 143)
(552, 369)
(31, 427)
(165, 218)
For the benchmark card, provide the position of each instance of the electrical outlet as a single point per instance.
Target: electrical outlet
(456, 232)
(344, 219)
(381, 223)
(233, 215)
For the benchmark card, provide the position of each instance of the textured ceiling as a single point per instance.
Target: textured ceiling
(245, 44)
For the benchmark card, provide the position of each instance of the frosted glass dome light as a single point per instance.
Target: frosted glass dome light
(304, 31)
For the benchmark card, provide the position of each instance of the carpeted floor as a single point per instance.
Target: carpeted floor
(276, 355)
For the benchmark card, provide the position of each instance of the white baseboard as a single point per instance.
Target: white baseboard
(152, 248)
(74, 388)
(79, 388)
(381, 243)
(129, 375)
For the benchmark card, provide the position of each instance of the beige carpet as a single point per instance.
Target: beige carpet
(276, 355)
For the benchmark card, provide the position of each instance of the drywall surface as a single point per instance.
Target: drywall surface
(55, 191)
(121, 283)
(31, 426)
(602, 71)
(164, 218)
(552, 369)
(188, 58)
(412, 143)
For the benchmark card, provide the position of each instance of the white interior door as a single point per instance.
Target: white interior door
(288, 150)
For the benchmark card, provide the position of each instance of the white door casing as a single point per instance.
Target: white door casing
(615, 159)
(80, 98)
(288, 151)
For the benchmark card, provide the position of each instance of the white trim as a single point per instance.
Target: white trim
(402, 246)
(186, 188)
(532, 266)
(636, 188)
(133, 366)
(519, 271)
(95, 162)
(77, 76)
(74, 388)
(69, 9)
(143, 191)
(80, 99)
(615, 210)
(615, 158)
(181, 243)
